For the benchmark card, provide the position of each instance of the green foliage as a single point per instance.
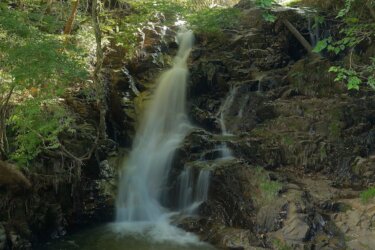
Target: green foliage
(269, 189)
(37, 125)
(353, 32)
(213, 20)
(367, 195)
(279, 245)
(47, 59)
(127, 32)
(266, 5)
(205, 20)
(354, 78)
(352, 36)
(348, 75)
(46, 23)
(39, 67)
(346, 9)
(318, 20)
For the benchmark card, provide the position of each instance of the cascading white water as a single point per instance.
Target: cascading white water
(192, 190)
(242, 107)
(202, 185)
(145, 174)
(185, 189)
(164, 127)
(225, 151)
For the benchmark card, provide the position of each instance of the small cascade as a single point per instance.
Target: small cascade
(131, 81)
(193, 189)
(225, 151)
(313, 30)
(243, 105)
(144, 180)
(185, 189)
(203, 185)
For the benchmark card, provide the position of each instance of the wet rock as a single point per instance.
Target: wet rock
(207, 75)
(265, 112)
(18, 242)
(98, 204)
(321, 82)
(204, 119)
(229, 207)
(232, 238)
(270, 218)
(107, 147)
(197, 144)
(357, 224)
(296, 229)
(363, 168)
(106, 171)
(287, 113)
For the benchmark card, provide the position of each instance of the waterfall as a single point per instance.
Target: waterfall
(313, 30)
(192, 190)
(143, 182)
(225, 151)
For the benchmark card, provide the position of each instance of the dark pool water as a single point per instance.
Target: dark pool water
(114, 237)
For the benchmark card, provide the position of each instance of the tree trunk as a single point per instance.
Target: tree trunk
(298, 36)
(99, 84)
(69, 24)
(4, 112)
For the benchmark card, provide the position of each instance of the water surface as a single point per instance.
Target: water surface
(106, 238)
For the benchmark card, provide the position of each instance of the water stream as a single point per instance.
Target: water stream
(225, 151)
(143, 221)
(104, 238)
(144, 179)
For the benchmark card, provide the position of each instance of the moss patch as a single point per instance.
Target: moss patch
(268, 189)
(279, 245)
(367, 195)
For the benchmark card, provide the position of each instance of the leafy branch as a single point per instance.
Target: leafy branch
(354, 32)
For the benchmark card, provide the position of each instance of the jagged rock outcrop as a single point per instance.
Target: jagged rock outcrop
(302, 145)
(289, 116)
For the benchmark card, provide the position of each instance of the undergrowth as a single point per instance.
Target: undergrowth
(37, 68)
(268, 188)
(367, 195)
(207, 21)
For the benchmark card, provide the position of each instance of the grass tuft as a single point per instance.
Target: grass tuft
(367, 195)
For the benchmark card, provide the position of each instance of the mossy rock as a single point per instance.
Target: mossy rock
(310, 77)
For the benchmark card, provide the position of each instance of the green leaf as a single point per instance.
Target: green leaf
(333, 69)
(354, 82)
(371, 82)
(321, 45)
(269, 17)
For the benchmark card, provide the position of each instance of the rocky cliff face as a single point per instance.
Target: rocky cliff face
(57, 194)
(54, 197)
(302, 146)
(303, 143)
